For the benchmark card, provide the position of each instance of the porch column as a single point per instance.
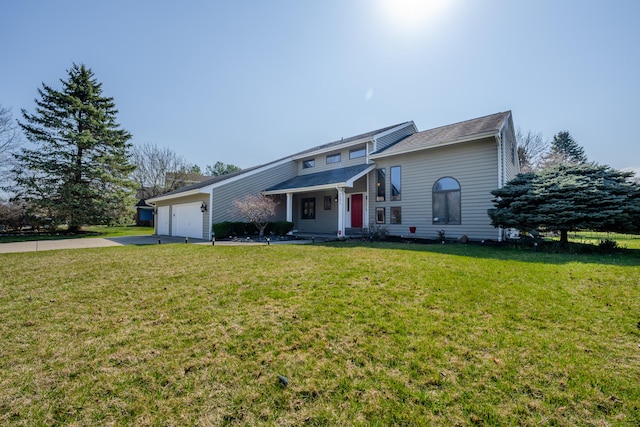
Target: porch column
(290, 207)
(342, 211)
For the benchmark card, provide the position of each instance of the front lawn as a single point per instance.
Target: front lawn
(87, 231)
(365, 334)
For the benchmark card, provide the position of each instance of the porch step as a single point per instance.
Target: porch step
(354, 232)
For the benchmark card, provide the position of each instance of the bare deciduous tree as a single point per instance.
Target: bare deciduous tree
(158, 169)
(532, 148)
(10, 139)
(256, 208)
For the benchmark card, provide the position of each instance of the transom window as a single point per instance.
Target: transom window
(333, 158)
(446, 201)
(358, 152)
(308, 163)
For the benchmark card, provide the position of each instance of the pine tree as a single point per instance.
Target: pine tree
(566, 149)
(77, 171)
(569, 197)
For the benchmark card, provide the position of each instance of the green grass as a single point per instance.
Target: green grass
(88, 231)
(381, 334)
(630, 241)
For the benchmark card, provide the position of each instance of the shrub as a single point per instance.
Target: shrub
(279, 228)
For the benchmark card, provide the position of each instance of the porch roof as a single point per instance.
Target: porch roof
(343, 177)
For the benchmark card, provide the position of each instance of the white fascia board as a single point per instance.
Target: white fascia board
(333, 148)
(353, 179)
(307, 189)
(207, 189)
(394, 129)
(154, 200)
(442, 144)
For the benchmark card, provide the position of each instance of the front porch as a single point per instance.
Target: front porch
(333, 202)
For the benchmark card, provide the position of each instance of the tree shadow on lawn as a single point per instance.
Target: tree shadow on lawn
(545, 255)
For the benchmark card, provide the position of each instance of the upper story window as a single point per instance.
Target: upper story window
(333, 158)
(308, 163)
(395, 183)
(358, 152)
(446, 201)
(380, 184)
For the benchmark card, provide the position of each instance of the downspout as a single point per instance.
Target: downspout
(500, 174)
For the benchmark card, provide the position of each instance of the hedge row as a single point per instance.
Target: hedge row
(232, 229)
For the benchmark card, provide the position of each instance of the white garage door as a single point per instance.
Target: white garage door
(163, 220)
(187, 220)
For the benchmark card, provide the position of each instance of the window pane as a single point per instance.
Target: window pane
(308, 163)
(380, 195)
(446, 184)
(308, 208)
(333, 158)
(453, 206)
(380, 215)
(354, 154)
(439, 208)
(395, 183)
(396, 215)
(327, 203)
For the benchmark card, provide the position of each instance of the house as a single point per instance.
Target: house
(410, 183)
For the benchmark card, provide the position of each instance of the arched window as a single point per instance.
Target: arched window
(446, 201)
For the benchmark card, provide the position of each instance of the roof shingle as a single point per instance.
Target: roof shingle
(447, 134)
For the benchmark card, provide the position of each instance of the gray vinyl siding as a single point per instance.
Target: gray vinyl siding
(511, 167)
(321, 161)
(224, 195)
(326, 221)
(394, 137)
(474, 165)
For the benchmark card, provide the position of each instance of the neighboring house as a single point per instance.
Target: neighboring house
(144, 213)
(408, 182)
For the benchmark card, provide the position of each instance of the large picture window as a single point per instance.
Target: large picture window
(446, 201)
(308, 208)
(395, 183)
(380, 183)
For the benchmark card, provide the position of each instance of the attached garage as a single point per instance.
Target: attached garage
(187, 220)
(162, 218)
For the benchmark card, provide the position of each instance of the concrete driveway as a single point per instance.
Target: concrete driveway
(92, 242)
(95, 242)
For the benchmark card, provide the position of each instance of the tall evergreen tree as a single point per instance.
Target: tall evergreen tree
(77, 170)
(566, 149)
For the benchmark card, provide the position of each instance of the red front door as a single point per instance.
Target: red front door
(356, 210)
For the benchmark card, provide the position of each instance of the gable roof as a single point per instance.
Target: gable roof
(446, 135)
(325, 179)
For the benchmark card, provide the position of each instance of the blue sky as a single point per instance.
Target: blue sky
(246, 82)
